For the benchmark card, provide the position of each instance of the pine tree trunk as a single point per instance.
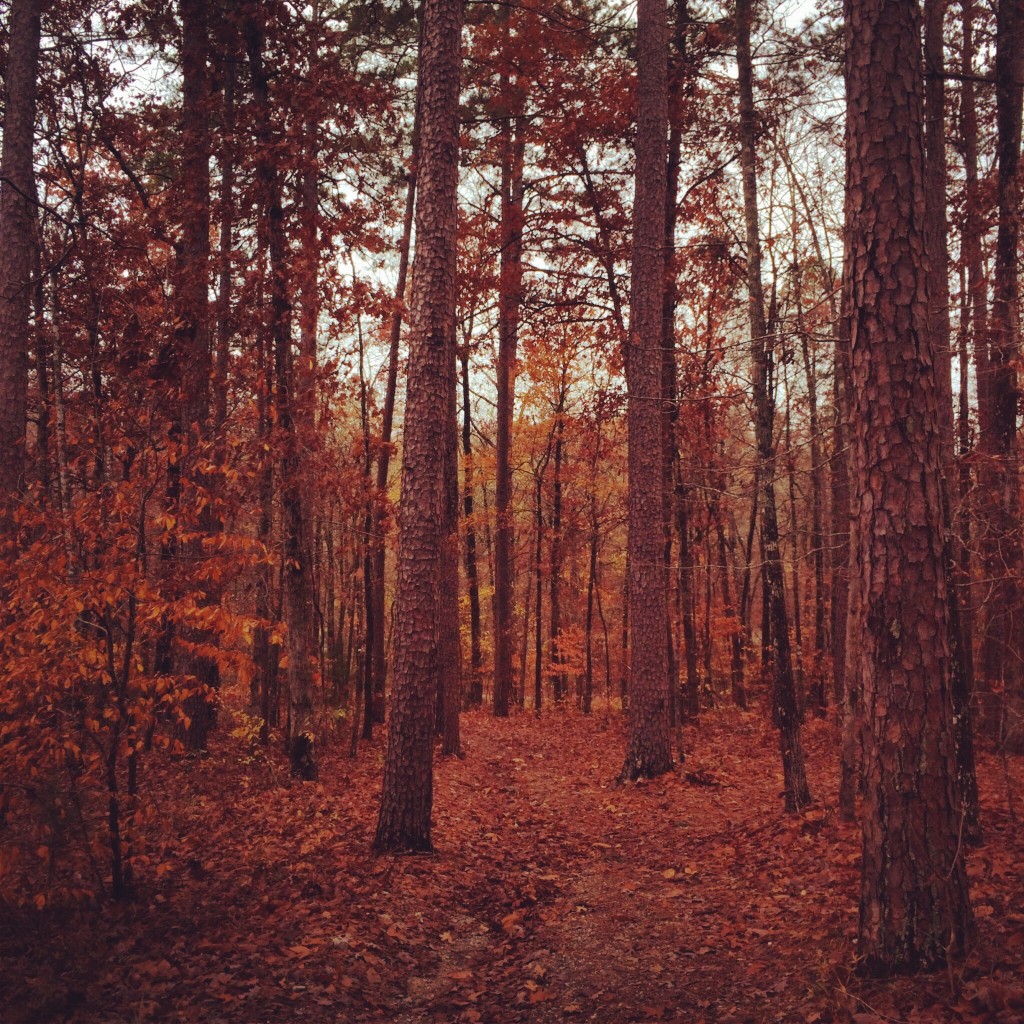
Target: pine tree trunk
(914, 903)
(407, 795)
(649, 752)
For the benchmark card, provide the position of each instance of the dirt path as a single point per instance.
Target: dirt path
(554, 895)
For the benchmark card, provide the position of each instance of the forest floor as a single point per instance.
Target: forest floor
(554, 895)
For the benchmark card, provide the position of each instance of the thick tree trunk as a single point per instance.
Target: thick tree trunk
(649, 752)
(407, 795)
(17, 240)
(914, 904)
(785, 710)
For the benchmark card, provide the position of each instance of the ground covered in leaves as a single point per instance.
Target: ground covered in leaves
(554, 895)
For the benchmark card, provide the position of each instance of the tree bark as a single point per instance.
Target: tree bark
(914, 908)
(407, 795)
(649, 751)
(18, 232)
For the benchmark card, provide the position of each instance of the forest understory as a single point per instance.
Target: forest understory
(554, 894)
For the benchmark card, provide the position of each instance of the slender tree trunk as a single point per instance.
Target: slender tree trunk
(844, 586)
(588, 683)
(450, 643)
(818, 696)
(226, 159)
(475, 691)
(293, 409)
(997, 354)
(649, 752)
(739, 691)
(973, 328)
(379, 568)
(192, 346)
(407, 795)
(673, 485)
(624, 646)
(687, 599)
(915, 910)
(18, 234)
(785, 710)
(794, 531)
(1002, 462)
(538, 646)
(939, 327)
(371, 625)
(559, 682)
(538, 555)
(510, 287)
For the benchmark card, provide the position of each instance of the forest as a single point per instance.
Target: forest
(511, 511)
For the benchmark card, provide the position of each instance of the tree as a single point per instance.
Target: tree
(914, 908)
(17, 238)
(649, 751)
(785, 709)
(407, 796)
(1001, 467)
(509, 299)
